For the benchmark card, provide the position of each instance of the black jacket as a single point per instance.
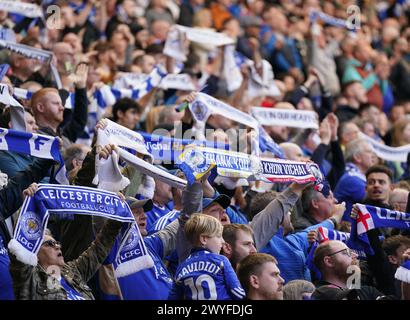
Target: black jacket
(11, 197)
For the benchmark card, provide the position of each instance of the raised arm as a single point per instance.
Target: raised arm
(10, 197)
(266, 223)
(78, 120)
(90, 260)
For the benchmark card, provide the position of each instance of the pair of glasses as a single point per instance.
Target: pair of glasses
(51, 243)
(348, 252)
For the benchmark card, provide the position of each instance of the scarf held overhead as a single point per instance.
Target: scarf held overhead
(386, 152)
(283, 117)
(26, 9)
(107, 96)
(167, 149)
(204, 106)
(369, 218)
(35, 145)
(175, 43)
(132, 255)
(196, 160)
(108, 172)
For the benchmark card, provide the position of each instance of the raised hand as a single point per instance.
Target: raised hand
(334, 125)
(31, 190)
(354, 212)
(312, 236)
(121, 196)
(338, 211)
(325, 131)
(81, 75)
(191, 97)
(106, 151)
(102, 124)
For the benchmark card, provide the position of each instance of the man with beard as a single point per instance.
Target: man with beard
(338, 264)
(260, 277)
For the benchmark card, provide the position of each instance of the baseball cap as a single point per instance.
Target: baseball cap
(133, 203)
(222, 199)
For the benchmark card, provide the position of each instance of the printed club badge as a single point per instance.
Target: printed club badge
(31, 226)
(199, 110)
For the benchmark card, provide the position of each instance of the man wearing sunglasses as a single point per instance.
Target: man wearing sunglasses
(10, 201)
(338, 264)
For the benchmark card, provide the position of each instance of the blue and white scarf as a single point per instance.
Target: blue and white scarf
(27, 51)
(267, 144)
(36, 145)
(369, 218)
(326, 234)
(167, 150)
(316, 15)
(197, 160)
(403, 272)
(130, 80)
(26, 9)
(33, 53)
(170, 81)
(258, 85)
(132, 255)
(3, 70)
(27, 95)
(6, 98)
(107, 96)
(108, 173)
(181, 82)
(7, 35)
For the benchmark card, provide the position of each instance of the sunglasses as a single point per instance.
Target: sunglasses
(348, 252)
(51, 243)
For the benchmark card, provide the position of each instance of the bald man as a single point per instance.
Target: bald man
(292, 151)
(48, 110)
(398, 199)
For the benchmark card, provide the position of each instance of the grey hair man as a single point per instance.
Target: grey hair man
(351, 188)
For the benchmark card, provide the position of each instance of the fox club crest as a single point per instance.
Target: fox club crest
(132, 239)
(31, 225)
(199, 110)
(196, 160)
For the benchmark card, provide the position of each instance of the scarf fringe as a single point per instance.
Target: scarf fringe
(22, 254)
(133, 266)
(403, 274)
